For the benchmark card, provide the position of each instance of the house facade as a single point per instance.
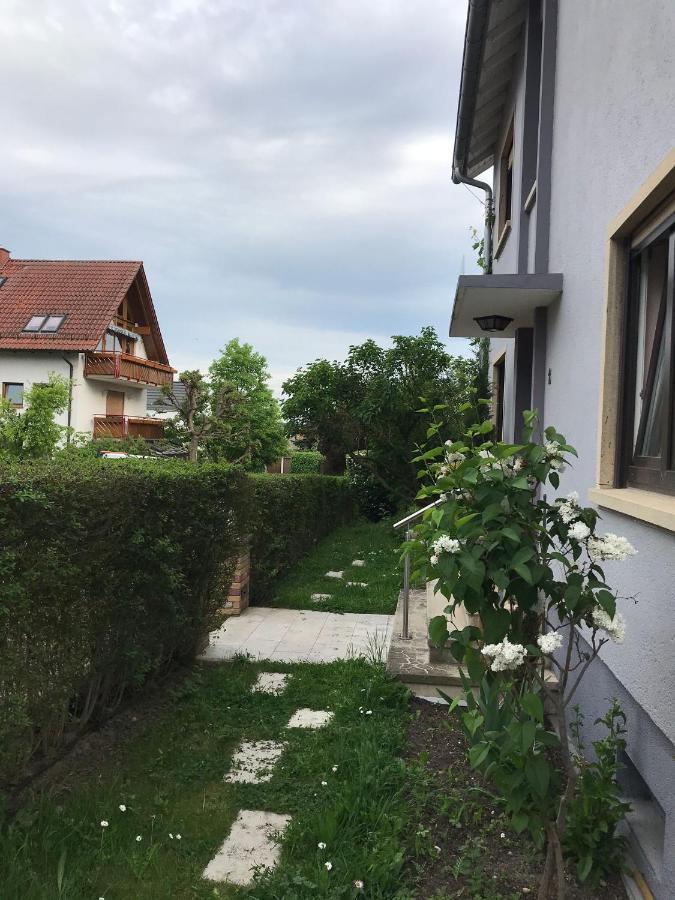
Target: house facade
(93, 322)
(571, 106)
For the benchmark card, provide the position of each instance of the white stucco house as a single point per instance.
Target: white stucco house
(93, 322)
(570, 105)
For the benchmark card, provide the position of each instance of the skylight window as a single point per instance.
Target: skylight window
(44, 324)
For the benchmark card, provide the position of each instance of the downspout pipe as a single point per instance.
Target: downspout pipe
(474, 44)
(70, 394)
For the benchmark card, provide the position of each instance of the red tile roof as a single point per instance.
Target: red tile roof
(86, 292)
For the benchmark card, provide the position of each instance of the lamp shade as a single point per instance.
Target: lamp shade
(492, 323)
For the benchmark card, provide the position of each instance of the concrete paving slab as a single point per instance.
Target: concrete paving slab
(310, 718)
(358, 562)
(253, 762)
(334, 574)
(250, 844)
(271, 683)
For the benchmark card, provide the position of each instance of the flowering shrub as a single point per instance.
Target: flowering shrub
(530, 570)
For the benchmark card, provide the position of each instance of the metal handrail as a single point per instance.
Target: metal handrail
(405, 630)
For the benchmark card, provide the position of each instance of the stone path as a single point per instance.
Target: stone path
(300, 635)
(253, 841)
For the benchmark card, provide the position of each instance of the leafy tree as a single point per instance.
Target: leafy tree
(367, 408)
(34, 434)
(256, 431)
(201, 414)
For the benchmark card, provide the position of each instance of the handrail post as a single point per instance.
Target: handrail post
(405, 631)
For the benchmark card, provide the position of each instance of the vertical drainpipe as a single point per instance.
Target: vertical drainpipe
(70, 394)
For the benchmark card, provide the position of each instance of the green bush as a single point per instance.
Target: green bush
(291, 514)
(109, 572)
(306, 462)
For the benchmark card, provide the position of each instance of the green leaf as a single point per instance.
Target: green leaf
(510, 534)
(584, 867)
(478, 753)
(533, 706)
(523, 554)
(474, 664)
(527, 735)
(519, 822)
(554, 478)
(524, 573)
(521, 483)
(438, 630)
(496, 624)
(538, 774)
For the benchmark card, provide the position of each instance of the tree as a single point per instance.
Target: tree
(256, 431)
(367, 408)
(201, 414)
(34, 433)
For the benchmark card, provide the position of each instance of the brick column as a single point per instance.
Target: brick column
(237, 596)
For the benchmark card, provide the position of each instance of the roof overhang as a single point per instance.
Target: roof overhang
(515, 296)
(492, 42)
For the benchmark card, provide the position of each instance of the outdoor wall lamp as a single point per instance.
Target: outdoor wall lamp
(492, 323)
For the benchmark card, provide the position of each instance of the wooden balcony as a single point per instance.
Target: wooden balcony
(128, 426)
(106, 365)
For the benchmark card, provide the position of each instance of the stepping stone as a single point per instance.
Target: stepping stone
(318, 597)
(253, 762)
(332, 574)
(357, 584)
(310, 718)
(358, 562)
(270, 683)
(251, 843)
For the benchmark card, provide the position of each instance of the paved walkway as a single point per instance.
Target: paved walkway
(300, 635)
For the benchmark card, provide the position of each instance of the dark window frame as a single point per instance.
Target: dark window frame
(649, 473)
(8, 384)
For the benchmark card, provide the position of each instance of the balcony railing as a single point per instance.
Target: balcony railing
(112, 366)
(128, 426)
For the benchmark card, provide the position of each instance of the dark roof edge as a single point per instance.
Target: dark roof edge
(474, 45)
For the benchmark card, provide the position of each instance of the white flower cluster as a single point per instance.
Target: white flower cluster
(615, 627)
(554, 454)
(443, 544)
(505, 656)
(610, 546)
(452, 460)
(549, 642)
(579, 531)
(569, 509)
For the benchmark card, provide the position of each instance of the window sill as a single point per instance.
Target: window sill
(657, 509)
(506, 230)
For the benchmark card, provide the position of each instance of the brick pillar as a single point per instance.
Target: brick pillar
(237, 596)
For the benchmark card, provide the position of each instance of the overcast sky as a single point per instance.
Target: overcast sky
(282, 167)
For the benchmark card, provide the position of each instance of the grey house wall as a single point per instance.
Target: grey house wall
(613, 123)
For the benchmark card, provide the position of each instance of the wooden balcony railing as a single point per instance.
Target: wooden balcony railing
(125, 367)
(128, 426)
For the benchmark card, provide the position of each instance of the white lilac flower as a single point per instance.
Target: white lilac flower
(505, 656)
(549, 642)
(358, 884)
(122, 807)
(579, 531)
(568, 508)
(321, 845)
(433, 559)
(454, 459)
(104, 824)
(328, 865)
(615, 627)
(443, 498)
(610, 546)
(445, 544)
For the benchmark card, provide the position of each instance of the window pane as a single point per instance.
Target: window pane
(652, 439)
(14, 393)
(35, 323)
(53, 323)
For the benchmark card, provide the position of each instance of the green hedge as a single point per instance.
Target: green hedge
(109, 571)
(292, 513)
(306, 462)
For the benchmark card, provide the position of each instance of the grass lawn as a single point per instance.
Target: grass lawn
(169, 776)
(376, 544)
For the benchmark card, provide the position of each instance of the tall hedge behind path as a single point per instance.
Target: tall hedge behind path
(292, 513)
(109, 571)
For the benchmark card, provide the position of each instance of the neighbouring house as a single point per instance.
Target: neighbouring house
(159, 405)
(571, 106)
(93, 322)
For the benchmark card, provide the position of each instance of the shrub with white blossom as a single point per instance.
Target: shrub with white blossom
(529, 569)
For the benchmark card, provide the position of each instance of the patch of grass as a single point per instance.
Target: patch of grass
(170, 779)
(376, 544)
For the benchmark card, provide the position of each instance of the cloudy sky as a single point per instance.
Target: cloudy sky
(282, 167)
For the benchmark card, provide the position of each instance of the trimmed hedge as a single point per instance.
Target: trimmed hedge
(292, 514)
(109, 572)
(306, 462)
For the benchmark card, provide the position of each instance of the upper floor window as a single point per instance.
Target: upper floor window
(649, 421)
(12, 391)
(505, 202)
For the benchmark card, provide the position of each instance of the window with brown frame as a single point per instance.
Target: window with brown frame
(649, 402)
(12, 391)
(505, 201)
(498, 378)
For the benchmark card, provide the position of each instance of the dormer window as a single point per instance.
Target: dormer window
(44, 324)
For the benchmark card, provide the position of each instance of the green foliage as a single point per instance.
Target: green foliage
(597, 808)
(292, 513)
(306, 462)
(33, 433)
(367, 408)
(256, 435)
(109, 571)
(374, 501)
